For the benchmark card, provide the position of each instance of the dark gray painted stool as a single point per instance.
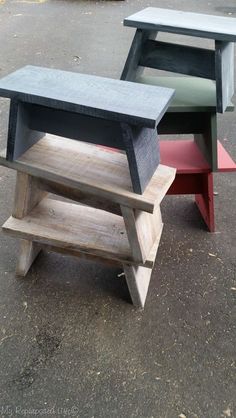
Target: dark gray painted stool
(99, 110)
(197, 98)
(217, 64)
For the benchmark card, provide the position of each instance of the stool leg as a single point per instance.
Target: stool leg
(132, 68)
(205, 201)
(207, 141)
(142, 150)
(138, 279)
(27, 195)
(29, 250)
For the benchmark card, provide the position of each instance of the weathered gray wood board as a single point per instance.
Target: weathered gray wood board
(186, 23)
(178, 58)
(224, 63)
(88, 95)
(94, 171)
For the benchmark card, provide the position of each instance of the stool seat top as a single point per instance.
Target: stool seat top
(185, 23)
(105, 98)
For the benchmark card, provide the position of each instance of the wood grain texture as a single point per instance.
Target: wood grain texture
(185, 23)
(178, 59)
(142, 229)
(93, 170)
(27, 195)
(224, 63)
(138, 279)
(132, 67)
(28, 252)
(75, 227)
(88, 95)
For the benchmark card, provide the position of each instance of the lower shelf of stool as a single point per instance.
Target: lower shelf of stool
(77, 228)
(186, 157)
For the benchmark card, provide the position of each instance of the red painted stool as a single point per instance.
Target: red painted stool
(194, 175)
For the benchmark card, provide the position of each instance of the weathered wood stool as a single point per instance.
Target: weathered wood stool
(92, 176)
(197, 99)
(93, 109)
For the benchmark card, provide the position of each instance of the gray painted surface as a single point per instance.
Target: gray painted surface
(89, 95)
(178, 59)
(20, 135)
(185, 23)
(132, 67)
(224, 63)
(142, 149)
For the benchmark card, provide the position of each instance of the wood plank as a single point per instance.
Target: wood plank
(27, 195)
(92, 170)
(138, 279)
(185, 23)
(224, 63)
(111, 262)
(143, 231)
(132, 68)
(28, 252)
(75, 228)
(88, 95)
(165, 56)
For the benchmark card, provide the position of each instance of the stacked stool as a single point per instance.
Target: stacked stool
(51, 112)
(198, 98)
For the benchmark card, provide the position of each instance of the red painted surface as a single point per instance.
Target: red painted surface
(183, 155)
(187, 158)
(194, 174)
(205, 202)
(225, 162)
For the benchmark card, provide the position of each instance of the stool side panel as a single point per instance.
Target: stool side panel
(20, 136)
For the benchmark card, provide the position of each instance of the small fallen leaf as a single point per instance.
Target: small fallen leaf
(233, 288)
(212, 255)
(182, 416)
(227, 412)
